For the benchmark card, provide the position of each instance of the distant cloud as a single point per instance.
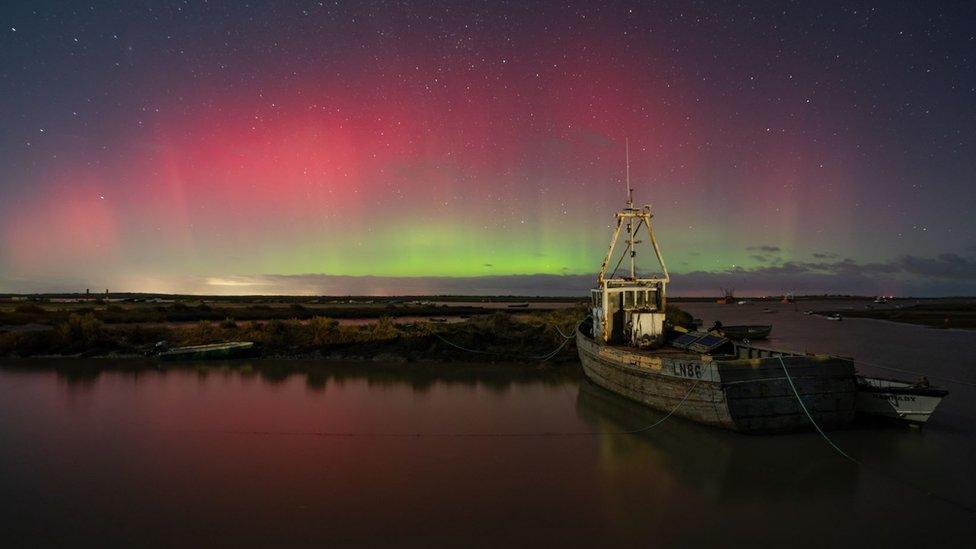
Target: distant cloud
(760, 258)
(767, 249)
(826, 255)
(950, 266)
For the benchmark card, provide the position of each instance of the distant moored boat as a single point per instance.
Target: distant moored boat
(760, 331)
(233, 349)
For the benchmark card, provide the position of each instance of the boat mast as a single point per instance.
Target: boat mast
(630, 206)
(632, 215)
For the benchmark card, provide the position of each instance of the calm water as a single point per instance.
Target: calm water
(372, 454)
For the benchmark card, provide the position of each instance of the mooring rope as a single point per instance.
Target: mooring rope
(810, 417)
(669, 414)
(570, 336)
(890, 476)
(544, 357)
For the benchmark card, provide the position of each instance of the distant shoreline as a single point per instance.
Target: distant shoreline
(931, 314)
(522, 335)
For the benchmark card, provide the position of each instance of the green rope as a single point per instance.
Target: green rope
(571, 336)
(543, 358)
(663, 419)
(445, 340)
(810, 417)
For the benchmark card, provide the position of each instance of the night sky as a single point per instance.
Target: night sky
(478, 147)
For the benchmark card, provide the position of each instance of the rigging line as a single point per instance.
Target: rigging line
(619, 261)
(630, 248)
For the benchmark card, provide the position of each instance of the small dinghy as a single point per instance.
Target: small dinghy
(899, 400)
(834, 316)
(739, 333)
(233, 349)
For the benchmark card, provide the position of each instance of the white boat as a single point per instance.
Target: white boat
(894, 399)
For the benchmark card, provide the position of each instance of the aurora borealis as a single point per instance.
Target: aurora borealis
(345, 147)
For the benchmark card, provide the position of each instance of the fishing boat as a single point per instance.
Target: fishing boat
(213, 351)
(750, 332)
(898, 400)
(625, 346)
(728, 297)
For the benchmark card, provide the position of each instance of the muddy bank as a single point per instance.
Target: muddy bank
(935, 315)
(499, 337)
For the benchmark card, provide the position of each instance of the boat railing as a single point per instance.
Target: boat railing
(744, 350)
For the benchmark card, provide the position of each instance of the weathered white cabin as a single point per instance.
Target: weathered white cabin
(630, 309)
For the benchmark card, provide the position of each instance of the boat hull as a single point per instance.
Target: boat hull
(738, 333)
(897, 400)
(218, 351)
(751, 395)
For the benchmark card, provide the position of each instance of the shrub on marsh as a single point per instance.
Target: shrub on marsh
(384, 329)
(82, 328)
(323, 330)
(29, 309)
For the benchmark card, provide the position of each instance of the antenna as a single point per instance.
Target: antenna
(630, 192)
(630, 205)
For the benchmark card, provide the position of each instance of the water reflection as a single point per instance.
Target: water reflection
(235, 451)
(725, 466)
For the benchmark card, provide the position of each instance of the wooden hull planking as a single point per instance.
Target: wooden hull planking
(746, 395)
